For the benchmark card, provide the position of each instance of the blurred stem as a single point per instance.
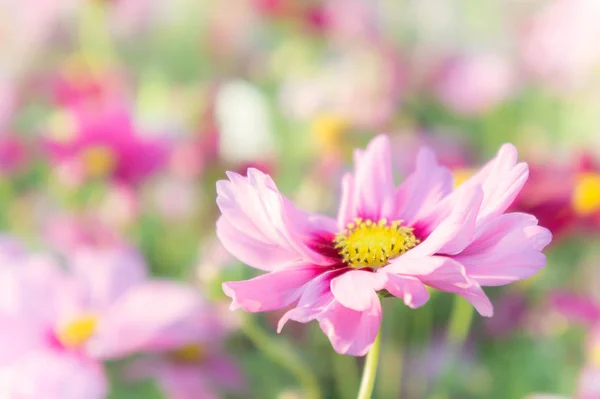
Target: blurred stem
(370, 370)
(460, 322)
(345, 372)
(94, 36)
(280, 352)
(458, 330)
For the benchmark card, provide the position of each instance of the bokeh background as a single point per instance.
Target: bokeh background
(117, 117)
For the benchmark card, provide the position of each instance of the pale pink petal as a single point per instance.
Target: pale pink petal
(53, 375)
(107, 274)
(455, 231)
(589, 383)
(502, 179)
(411, 289)
(20, 336)
(223, 372)
(373, 180)
(315, 299)
(422, 190)
(506, 249)
(357, 289)
(261, 227)
(347, 211)
(576, 307)
(177, 381)
(185, 382)
(154, 315)
(270, 291)
(351, 332)
(450, 276)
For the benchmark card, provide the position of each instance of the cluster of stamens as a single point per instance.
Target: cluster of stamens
(368, 244)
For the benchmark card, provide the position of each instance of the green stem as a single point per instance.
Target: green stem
(458, 330)
(345, 372)
(460, 322)
(370, 371)
(280, 352)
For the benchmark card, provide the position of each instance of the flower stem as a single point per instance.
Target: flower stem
(460, 322)
(280, 352)
(459, 326)
(370, 370)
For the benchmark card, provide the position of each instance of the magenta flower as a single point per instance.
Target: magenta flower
(399, 240)
(104, 142)
(67, 322)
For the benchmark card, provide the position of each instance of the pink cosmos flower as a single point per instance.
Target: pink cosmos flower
(555, 48)
(104, 141)
(474, 84)
(60, 325)
(397, 240)
(195, 366)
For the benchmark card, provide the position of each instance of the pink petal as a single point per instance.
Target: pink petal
(356, 289)
(411, 289)
(53, 375)
(223, 371)
(423, 189)
(455, 231)
(128, 326)
(315, 299)
(185, 382)
(450, 276)
(347, 211)
(107, 274)
(177, 381)
(351, 332)
(576, 307)
(261, 227)
(506, 249)
(502, 179)
(589, 383)
(373, 180)
(270, 291)
(20, 336)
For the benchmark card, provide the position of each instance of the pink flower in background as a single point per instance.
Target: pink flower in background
(192, 366)
(69, 233)
(104, 142)
(398, 239)
(556, 46)
(13, 153)
(474, 84)
(68, 321)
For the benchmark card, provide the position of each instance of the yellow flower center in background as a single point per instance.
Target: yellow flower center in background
(586, 196)
(461, 175)
(75, 333)
(328, 130)
(98, 160)
(189, 354)
(368, 244)
(62, 127)
(594, 354)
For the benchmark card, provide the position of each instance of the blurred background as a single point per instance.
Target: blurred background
(117, 117)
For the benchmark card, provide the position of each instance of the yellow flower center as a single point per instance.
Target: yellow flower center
(368, 244)
(461, 175)
(98, 160)
(189, 354)
(586, 196)
(328, 130)
(594, 355)
(76, 332)
(62, 127)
